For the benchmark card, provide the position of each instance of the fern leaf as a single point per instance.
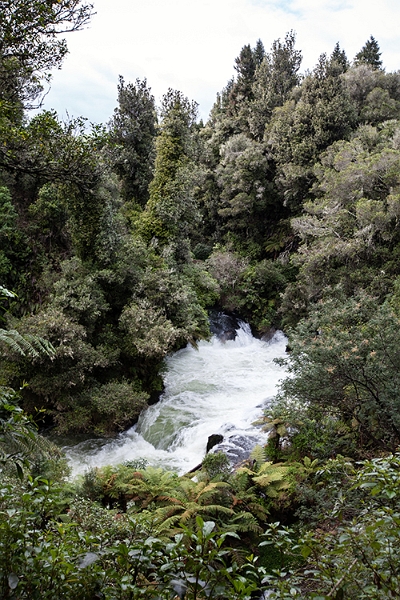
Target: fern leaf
(26, 345)
(258, 454)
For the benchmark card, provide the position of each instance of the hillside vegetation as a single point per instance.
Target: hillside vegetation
(116, 240)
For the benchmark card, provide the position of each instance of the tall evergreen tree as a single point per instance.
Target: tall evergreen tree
(246, 68)
(369, 54)
(274, 79)
(300, 131)
(171, 209)
(133, 130)
(339, 57)
(259, 53)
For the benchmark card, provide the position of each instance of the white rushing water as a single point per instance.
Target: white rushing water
(219, 388)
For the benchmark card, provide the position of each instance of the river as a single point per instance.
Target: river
(219, 388)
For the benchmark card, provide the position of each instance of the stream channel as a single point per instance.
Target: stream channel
(219, 388)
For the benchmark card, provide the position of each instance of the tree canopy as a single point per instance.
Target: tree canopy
(30, 44)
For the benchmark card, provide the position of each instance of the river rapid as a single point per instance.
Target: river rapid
(219, 388)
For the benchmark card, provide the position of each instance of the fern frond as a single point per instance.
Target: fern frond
(258, 454)
(168, 526)
(26, 345)
(245, 470)
(216, 509)
(268, 478)
(273, 490)
(245, 522)
(19, 441)
(267, 467)
(170, 499)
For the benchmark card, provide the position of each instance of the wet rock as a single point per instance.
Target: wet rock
(237, 448)
(268, 335)
(213, 440)
(224, 326)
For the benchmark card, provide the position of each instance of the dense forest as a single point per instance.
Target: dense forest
(115, 242)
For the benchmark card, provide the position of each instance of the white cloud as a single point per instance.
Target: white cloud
(191, 45)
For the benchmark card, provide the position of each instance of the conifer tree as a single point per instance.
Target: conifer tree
(259, 53)
(274, 79)
(369, 54)
(245, 67)
(171, 206)
(133, 130)
(339, 57)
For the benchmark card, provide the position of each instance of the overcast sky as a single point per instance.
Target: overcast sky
(191, 45)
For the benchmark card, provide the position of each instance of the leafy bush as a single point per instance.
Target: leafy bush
(357, 557)
(344, 365)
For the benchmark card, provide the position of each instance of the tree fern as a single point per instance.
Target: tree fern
(151, 485)
(258, 454)
(18, 435)
(25, 345)
(271, 477)
(245, 522)
(170, 518)
(19, 440)
(125, 483)
(191, 499)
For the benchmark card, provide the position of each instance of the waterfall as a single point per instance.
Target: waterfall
(220, 387)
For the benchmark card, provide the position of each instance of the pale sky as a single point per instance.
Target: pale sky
(191, 45)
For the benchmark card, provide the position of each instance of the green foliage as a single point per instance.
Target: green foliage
(275, 78)
(148, 329)
(90, 551)
(369, 54)
(18, 436)
(246, 67)
(356, 559)
(133, 130)
(344, 363)
(14, 247)
(171, 212)
(374, 93)
(353, 220)
(80, 294)
(339, 57)
(142, 486)
(171, 502)
(58, 383)
(95, 231)
(291, 189)
(216, 465)
(25, 345)
(7, 230)
(301, 129)
(203, 284)
(191, 499)
(260, 289)
(228, 269)
(253, 290)
(118, 404)
(247, 198)
(272, 478)
(28, 53)
(322, 114)
(49, 215)
(19, 442)
(111, 328)
(52, 151)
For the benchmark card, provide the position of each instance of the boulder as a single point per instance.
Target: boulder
(213, 440)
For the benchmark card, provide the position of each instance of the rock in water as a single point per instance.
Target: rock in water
(213, 440)
(223, 326)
